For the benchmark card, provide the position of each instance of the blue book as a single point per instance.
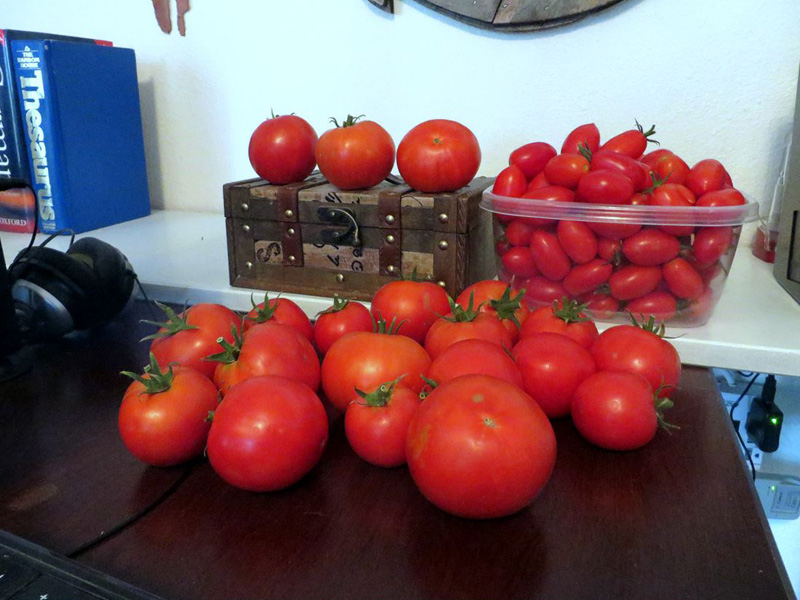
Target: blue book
(79, 105)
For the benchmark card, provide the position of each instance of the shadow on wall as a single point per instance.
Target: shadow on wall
(151, 143)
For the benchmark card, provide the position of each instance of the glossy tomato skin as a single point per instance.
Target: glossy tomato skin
(548, 193)
(706, 176)
(438, 156)
(584, 135)
(169, 427)
(333, 324)
(651, 247)
(638, 173)
(615, 410)
(282, 149)
(683, 279)
(267, 434)
(365, 360)
(189, 347)
(357, 156)
(630, 143)
(724, 197)
(614, 231)
(659, 304)
(672, 194)
(283, 311)
(549, 256)
(444, 333)
(566, 170)
(531, 158)
(505, 446)
(587, 277)
(651, 158)
(633, 281)
(378, 433)
(415, 304)
(474, 357)
(671, 168)
(519, 231)
(577, 240)
(634, 350)
(605, 186)
(510, 182)
(543, 320)
(541, 290)
(487, 291)
(710, 243)
(552, 366)
(519, 262)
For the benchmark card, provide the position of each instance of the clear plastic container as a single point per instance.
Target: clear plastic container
(621, 260)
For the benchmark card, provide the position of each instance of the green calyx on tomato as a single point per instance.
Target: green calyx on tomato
(430, 385)
(339, 304)
(265, 312)
(657, 182)
(380, 326)
(348, 122)
(171, 326)
(459, 314)
(651, 325)
(507, 305)
(230, 352)
(647, 133)
(570, 311)
(661, 405)
(381, 396)
(585, 151)
(154, 379)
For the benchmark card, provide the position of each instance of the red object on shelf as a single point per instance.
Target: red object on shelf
(764, 242)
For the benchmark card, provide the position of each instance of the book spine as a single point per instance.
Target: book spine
(14, 169)
(38, 111)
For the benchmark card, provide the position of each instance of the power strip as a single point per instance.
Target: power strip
(740, 416)
(779, 495)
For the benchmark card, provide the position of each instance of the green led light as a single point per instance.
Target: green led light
(772, 488)
(774, 420)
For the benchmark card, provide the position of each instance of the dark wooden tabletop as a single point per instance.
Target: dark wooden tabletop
(677, 519)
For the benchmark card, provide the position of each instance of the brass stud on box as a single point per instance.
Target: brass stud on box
(249, 265)
(288, 213)
(339, 278)
(389, 219)
(443, 245)
(246, 228)
(245, 206)
(390, 239)
(443, 218)
(290, 232)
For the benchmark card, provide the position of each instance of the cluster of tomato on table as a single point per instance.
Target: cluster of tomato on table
(615, 265)
(462, 390)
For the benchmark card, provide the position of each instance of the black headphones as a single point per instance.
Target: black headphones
(56, 292)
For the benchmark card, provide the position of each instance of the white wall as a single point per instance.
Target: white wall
(717, 77)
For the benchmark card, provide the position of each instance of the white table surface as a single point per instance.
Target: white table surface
(182, 257)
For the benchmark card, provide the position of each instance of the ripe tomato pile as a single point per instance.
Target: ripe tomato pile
(438, 155)
(616, 265)
(462, 390)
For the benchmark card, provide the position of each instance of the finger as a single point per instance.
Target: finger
(161, 8)
(183, 8)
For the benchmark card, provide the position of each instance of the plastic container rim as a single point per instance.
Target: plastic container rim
(706, 216)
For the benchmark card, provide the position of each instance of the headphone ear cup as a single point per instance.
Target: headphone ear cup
(113, 274)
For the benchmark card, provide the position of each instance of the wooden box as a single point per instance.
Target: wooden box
(313, 238)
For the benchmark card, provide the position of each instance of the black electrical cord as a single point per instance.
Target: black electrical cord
(739, 435)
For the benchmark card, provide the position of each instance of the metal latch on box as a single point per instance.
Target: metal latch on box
(340, 216)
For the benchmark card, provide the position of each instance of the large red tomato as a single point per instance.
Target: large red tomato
(162, 418)
(564, 317)
(413, 305)
(279, 310)
(466, 324)
(365, 360)
(190, 337)
(267, 434)
(355, 155)
(479, 447)
(341, 318)
(282, 149)
(500, 299)
(474, 357)
(438, 156)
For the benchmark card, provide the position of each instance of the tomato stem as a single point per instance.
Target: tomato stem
(154, 379)
(507, 305)
(172, 325)
(348, 122)
(647, 133)
(570, 311)
(381, 396)
(230, 352)
(459, 314)
(263, 311)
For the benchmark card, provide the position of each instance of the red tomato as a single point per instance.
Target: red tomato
(364, 360)
(565, 170)
(376, 423)
(279, 310)
(564, 318)
(615, 410)
(682, 279)
(633, 281)
(341, 318)
(540, 290)
(438, 156)
(552, 366)
(711, 243)
(659, 304)
(672, 194)
(550, 193)
(706, 176)
(267, 349)
(601, 305)
(587, 136)
(466, 325)
(651, 247)
(671, 168)
(532, 158)
(479, 447)
(282, 149)
(499, 299)
(519, 231)
(474, 357)
(631, 143)
(577, 240)
(614, 231)
(550, 258)
(537, 182)
(510, 182)
(609, 250)
(699, 310)
(638, 173)
(724, 197)
(190, 337)
(635, 350)
(162, 418)
(587, 277)
(267, 434)
(413, 305)
(605, 187)
(355, 155)
(651, 158)
(519, 262)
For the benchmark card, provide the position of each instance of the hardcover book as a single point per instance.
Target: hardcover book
(79, 104)
(16, 198)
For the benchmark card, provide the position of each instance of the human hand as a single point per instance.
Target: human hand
(162, 10)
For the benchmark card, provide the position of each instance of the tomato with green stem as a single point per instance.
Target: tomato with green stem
(587, 135)
(499, 299)
(474, 357)
(631, 143)
(279, 310)
(566, 170)
(344, 316)
(565, 317)
(282, 149)
(414, 305)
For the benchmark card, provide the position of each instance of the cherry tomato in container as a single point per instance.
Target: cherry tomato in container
(413, 305)
(510, 182)
(616, 411)
(577, 240)
(711, 243)
(637, 172)
(550, 193)
(612, 230)
(519, 231)
(343, 317)
(539, 181)
(438, 156)
(682, 279)
(564, 317)
(672, 194)
(267, 434)
(587, 136)
(550, 258)
(601, 305)
(376, 423)
(605, 187)
(552, 366)
(633, 281)
(651, 247)
(609, 250)
(504, 444)
(651, 158)
(531, 158)
(356, 154)
(706, 176)
(566, 170)
(587, 277)
(724, 197)
(279, 310)
(631, 143)
(474, 357)
(660, 304)
(282, 149)
(671, 168)
(519, 262)
(540, 290)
